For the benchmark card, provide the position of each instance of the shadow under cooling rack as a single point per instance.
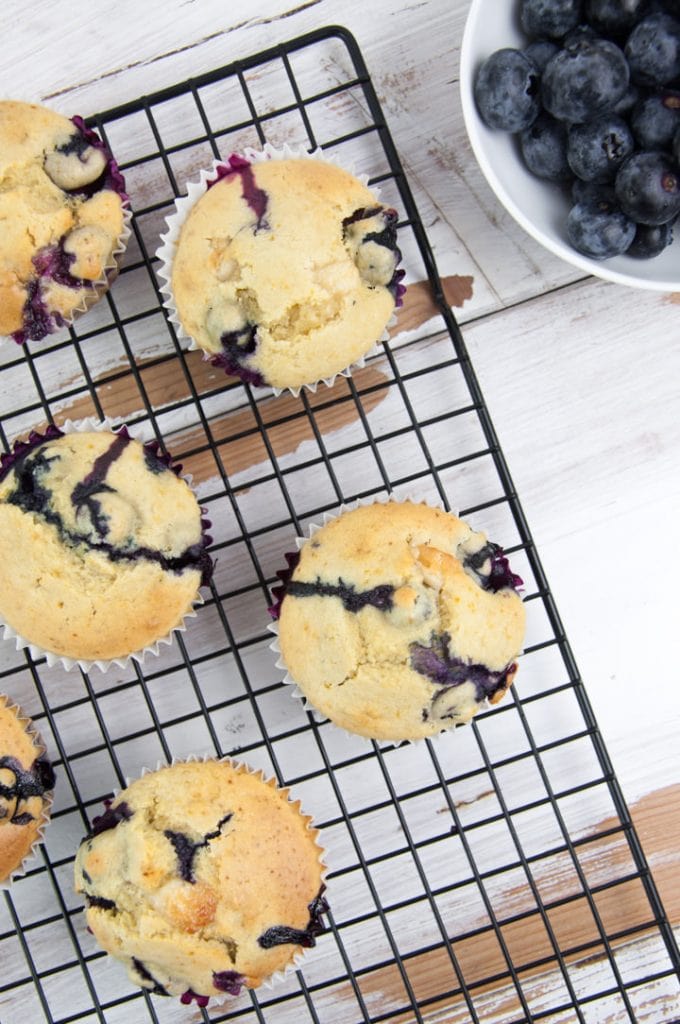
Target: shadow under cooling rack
(490, 875)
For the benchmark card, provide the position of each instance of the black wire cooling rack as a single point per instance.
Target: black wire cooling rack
(490, 875)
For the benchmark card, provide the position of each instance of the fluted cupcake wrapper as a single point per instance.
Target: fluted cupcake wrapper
(36, 438)
(297, 958)
(48, 798)
(174, 223)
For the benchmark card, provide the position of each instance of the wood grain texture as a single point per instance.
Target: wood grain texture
(581, 381)
(528, 940)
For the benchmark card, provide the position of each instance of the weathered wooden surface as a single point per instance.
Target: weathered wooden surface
(581, 381)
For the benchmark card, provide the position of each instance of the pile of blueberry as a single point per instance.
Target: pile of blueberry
(594, 98)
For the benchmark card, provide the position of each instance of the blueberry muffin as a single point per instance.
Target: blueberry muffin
(102, 549)
(62, 203)
(398, 620)
(285, 271)
(26, 782)
(202, 878)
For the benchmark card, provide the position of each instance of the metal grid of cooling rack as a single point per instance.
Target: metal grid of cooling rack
(490, 875)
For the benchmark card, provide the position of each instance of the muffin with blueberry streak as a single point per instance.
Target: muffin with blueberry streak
(62, 209)
(102, 544)
(397, 620)
(203, 878)
(285, 271)
(26, 784)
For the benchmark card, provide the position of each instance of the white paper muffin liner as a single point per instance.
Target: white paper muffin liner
(95, 289)
(297, 959)
(273, 627)
(48, 797)
(166, 252)
(36, 651)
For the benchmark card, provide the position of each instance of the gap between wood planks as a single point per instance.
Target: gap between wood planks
(621, 907)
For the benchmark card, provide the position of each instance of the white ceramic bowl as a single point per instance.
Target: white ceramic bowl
(539, 206)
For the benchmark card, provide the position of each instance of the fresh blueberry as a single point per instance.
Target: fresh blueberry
(585, 78)
(540, 52)
(648, 188)
(599, 229)
(650, 240)
(580, 32)
(506, 91)
(544, 148)
(627, 101)
(653, 50)
(596, 149)
(551, 18)
(676, 147)
(591, 191)
(614, 18)
(655, 119)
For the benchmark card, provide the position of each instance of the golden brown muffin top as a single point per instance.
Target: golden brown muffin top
(202, 876)
(102, 550)
(285, 270)
(61, 209)
(399, 620)
(26, 779)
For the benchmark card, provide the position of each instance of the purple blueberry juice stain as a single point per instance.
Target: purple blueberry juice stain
(155, 987)
(228, 981)
(193, 997)
(281, 934)
(22, 448)
(111, 178)
(186, 849)
(256, 198)
(500, 576)
(248, 376)
(83, 494)
(237, 347)
(37, 321)
(380, 597)
(387, 238)
(52, 263)
(445, 669)
(111, 818)
(157, 461)
(362, 213)
(28, 782)
(100, 902)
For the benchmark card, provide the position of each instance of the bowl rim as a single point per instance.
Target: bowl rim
(472, 120)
